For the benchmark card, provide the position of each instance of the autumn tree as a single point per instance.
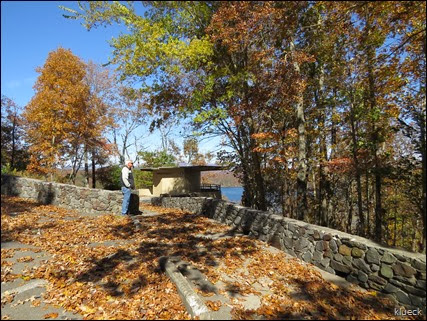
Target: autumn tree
(100, 117)
(312, 98)
(13, 149)
(68, 116)
(129, 114)
(55, 115)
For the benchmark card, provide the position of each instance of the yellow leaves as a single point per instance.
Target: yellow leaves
(117, 281)
(267, 135)
(50, 316)
(25, 259)
(213, 305)
(36, 303)
(63, 112)
(87, 310)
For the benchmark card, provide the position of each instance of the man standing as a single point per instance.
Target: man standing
(127, 185)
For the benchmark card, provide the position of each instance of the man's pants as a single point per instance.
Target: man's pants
(126, 200)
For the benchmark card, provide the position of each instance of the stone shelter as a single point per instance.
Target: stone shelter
(182, 180)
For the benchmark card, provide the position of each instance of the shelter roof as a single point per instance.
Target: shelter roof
(199, 168)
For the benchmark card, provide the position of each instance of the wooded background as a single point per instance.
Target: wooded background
(321, 105)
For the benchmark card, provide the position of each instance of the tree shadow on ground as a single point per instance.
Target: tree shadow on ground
(12, 207)
(333, 304)
(161, 236)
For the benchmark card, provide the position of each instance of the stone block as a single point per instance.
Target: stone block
(375, 267)
(372, 256)
(289, 243)
(276, 241)
(377, 279)
(317, 256)
(388, 258)
(375, 286)
(402, 297)
(292, 228)
(328, 253)
(307, 257)
(320, 246)
(353, 279)
(344, 250)
(403, 269)
(301, 244)
(420, 266)
(414, 291)
(421, 284)
(340, 267)
(333, 246)
(325, 262)
(361, 265)
(347, 260)
(316, 235)
(330, 270)
(401, 280)
(362, 277)
(327, 237)
(338, 257)
(351, 243)
(400, 257)
(416, 301)
(356, 252)
(389, 288)
(386, 271)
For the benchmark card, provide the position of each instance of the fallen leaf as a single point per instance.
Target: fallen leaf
(50, 315)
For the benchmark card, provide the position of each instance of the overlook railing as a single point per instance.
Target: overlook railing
(210, 187)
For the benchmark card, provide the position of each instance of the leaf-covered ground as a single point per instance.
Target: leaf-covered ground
(104, 268)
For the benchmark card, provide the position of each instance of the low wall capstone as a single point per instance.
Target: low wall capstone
(394, 272)
(89, 200)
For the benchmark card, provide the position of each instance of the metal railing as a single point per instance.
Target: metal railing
(210, 187)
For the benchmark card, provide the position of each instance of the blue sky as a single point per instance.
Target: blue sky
(32, 29)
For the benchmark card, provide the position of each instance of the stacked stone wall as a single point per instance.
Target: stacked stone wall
(88, 200)
(398, 273)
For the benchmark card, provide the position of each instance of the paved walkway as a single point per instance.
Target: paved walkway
(22, 298)
(217, 274)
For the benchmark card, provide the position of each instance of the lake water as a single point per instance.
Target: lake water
(233, 194)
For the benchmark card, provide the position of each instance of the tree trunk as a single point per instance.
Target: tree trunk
(12, 159)
(361, 228)
(93, 169)
(86, 166)
(368, 211)
(370, 54)
(422, 124)
(324, 183)
(395, 229)
(260, 201)
(302, 206)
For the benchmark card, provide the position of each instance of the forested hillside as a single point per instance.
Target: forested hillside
(224, 178)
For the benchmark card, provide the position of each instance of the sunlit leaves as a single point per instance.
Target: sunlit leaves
(103, 268)
(56, 108)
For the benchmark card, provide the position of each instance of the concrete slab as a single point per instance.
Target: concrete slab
(192, 302)
(16, 245)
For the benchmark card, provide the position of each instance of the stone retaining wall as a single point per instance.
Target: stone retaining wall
(90, 200)
(395, 272)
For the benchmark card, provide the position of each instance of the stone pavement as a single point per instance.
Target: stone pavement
(198, 292)
(203, 297)
(21, 299)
